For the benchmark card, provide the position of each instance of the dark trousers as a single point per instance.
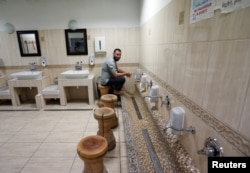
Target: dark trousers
(116, 83)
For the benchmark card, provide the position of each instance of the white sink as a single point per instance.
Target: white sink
(27, 75)
(75, 74)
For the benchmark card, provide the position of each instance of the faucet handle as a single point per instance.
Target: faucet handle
(150, 84)
(166, 102)
(166, 128)
(32, 66)
(78, 65)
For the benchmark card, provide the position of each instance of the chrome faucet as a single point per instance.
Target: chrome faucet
(138, 76)
(211, 148)
(32, 66)
(78, 65)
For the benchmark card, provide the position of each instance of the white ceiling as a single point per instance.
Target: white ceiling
(55, 14)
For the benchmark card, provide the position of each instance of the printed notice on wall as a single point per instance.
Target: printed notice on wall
(201, 9)
(228, 6)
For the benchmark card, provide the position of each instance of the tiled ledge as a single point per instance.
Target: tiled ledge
(65, 66)
(234, 138)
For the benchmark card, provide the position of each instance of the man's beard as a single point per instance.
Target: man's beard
(116, 59)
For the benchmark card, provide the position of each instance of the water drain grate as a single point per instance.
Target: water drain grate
(6, 110)
(87, 109)
(152, 153)
(138, 113)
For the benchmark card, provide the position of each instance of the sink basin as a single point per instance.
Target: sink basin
(75, 74)
(27, 75)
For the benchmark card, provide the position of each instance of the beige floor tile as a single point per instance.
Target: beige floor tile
(92, 127)
(12, 164)
(6, 115)
(12, 126)
(78, 166)
(116, 134)
(63, 136)
(22, 117)
(123, 148)
(122, 136)
(18, 149)
(56, 150)
(124, 165)
(5, 136)
(92, 118)
(116, 129)
(39, 126)
(49, 115)
(25, 115)
(29, 137)
(46, 141)
(69, 127)
(72, 116)
(90, 133)
(112, 164)
(115, 152)
(48, 165)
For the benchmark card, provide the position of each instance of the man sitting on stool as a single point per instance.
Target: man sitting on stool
(113, 76)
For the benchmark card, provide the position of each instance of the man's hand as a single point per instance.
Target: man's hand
(128, 74)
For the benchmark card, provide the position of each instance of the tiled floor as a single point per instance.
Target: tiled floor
(44, 141)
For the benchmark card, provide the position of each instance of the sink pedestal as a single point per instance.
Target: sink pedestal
(15, 87)
(77, 83)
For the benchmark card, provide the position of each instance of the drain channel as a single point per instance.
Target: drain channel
(152, 153)
(138, 113)
(87, 109)
(6, 110)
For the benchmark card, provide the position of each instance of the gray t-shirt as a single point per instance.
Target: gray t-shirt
(109, 68)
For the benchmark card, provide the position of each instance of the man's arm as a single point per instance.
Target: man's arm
(121, 72)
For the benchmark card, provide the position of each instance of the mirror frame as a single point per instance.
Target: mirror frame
(85, 41)
(37, 43)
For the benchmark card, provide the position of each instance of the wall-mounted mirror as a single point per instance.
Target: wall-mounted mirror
(28, 43)
(76, 42)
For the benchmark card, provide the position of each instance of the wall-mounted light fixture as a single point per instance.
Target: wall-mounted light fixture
(73, 24)
(9, 28)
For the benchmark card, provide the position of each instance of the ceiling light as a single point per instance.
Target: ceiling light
(73, 24)
(9, 28)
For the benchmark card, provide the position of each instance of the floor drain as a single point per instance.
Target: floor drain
(152, 153)
(6, 110)
(138, 113)
(68, 109)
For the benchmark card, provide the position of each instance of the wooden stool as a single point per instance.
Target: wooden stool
(109, 100)
(91, 150)
(104, 116)
(103, 89)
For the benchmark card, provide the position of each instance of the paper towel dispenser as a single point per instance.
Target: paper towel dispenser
(100, 45)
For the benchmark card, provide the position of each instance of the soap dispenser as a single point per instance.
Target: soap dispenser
(91, 60)
(44, 61)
